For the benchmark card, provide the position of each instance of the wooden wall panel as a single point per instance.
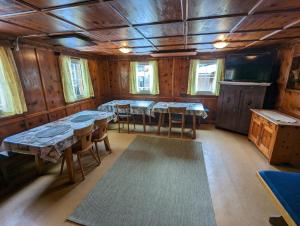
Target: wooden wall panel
(114, 79)
(55, 115)
(105, 91)
(35, 121)
(165, 68)
(11, 127)
(29, 74)
(51, 80)
(181, 70)
(288, 100)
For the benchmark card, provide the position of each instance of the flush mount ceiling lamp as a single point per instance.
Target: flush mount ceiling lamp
(221, 44)
(251, 57)
(125, 50)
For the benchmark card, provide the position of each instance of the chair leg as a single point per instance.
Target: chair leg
(128, 124)
(119, 125)
(80, 165)
(62, 165)
(95, 157)
(170, 126)
(97, 151)
(107, 144)
(182, 127)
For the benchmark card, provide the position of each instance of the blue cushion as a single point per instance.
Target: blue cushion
(286, 188)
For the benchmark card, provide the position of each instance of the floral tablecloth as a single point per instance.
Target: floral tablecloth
(191, 108)
(51, 139)
(137, 107)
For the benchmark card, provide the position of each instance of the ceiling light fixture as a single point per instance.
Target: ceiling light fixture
(221, 44)
(251, 57)
(125, 50)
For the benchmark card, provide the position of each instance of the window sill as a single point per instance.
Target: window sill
(203, 93)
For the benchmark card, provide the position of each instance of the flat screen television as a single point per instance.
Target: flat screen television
(249, 68)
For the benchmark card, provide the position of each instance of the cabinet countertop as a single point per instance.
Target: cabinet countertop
(265, 114)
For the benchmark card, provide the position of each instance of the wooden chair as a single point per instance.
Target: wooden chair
(100, 134)
(124, 115)
(176, 116)
(84, 145)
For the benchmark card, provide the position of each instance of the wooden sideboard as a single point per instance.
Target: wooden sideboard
(234, 104)
(279, 141)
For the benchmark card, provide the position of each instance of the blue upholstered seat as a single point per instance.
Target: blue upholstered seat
(286, 188)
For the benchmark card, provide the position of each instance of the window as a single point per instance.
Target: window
(206, 76)
(144, 74)
(76, 78)
(143, 78)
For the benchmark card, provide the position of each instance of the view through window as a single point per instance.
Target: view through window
(76, 77)
(206, 76)
(144, 73)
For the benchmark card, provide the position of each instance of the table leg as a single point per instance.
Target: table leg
(144, 122)
(38, 164)
(159, 123)
(194, 126)
(70, 166)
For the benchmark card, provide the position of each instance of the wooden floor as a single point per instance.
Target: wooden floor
(231, 162)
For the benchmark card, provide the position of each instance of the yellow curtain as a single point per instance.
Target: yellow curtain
(132, 78)
(69, 90)
(155, 82)
(12, 96)
(219, 75)
(192, 77)
(88, 90)
(65, 71)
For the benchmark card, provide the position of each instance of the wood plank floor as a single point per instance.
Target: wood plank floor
(231, 162)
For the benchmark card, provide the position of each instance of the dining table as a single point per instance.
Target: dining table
(194, 109)
(137, 107)
(52, 140)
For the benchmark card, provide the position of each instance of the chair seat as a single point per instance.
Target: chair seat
(286, 188)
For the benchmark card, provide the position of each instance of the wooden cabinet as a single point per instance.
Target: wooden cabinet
(278, 141)
(234, 104)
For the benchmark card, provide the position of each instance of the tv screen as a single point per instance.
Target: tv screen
(249, 68)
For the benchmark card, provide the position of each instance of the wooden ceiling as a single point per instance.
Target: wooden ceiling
(152, 25)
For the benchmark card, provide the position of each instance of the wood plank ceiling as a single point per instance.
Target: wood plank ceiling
(152, 25)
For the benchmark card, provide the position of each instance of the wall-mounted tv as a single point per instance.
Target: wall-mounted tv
(249, 68)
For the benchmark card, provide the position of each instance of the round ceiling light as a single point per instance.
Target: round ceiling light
(221, 44)
(125, 50)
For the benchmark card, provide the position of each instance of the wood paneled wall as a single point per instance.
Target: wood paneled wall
(173, 81)
(40, 77)
(288, 100)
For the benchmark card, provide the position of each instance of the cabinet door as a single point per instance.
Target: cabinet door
(251, 97)
(228, 107)
(267, 139)
(255, 128)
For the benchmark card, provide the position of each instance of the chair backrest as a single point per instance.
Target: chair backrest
(101, 128)
(177, 110)
(84, 136)
(123, 108)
